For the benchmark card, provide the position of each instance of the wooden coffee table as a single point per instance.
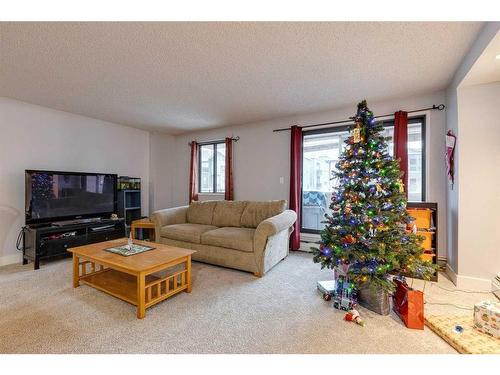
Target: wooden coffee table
(131, 278)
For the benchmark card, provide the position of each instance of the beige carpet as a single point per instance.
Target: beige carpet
(228, 312)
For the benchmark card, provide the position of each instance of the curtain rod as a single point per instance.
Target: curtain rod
(236, 139)
(439, 107)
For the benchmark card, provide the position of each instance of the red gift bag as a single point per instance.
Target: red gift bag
(409, 305)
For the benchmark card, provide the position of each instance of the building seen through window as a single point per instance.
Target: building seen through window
(212, 164)
(321, 152)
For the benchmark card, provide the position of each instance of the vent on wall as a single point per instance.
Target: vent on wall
(308, 240)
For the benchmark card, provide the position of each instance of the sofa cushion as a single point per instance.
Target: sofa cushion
(257, 212)
(230, 237)
(201, 212)
(228, 213)
(185, 232)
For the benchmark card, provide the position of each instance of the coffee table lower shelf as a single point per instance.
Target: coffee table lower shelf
(124, 286)
(153, 289)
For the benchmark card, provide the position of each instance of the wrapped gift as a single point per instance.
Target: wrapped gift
(326, 287)
(487, 318)
(409, 304)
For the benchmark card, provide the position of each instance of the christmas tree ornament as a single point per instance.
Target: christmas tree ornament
(349, 239)
(372, 232)
(356, 138)
(327, 251)
(348, 209)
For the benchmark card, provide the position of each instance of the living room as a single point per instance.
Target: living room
(226, 175)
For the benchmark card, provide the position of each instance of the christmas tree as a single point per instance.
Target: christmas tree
(366, 231)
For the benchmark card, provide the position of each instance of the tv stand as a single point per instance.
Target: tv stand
(52, 240)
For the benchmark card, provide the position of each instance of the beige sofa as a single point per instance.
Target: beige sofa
(249, 236)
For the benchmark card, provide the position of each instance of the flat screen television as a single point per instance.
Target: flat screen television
(52, 196)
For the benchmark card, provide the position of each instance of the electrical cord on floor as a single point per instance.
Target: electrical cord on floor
(465, 291)
(20, 239)
(449, 304)
(457, 290)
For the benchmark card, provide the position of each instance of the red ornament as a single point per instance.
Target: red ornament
(327, 296)
(349, 239)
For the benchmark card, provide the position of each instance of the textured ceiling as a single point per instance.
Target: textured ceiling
(486, 68)
(179, 77)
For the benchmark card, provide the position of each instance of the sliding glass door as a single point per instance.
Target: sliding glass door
(321, 151)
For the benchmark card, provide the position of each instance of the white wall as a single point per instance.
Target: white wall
(41, 138)
(34, 137)
(452, 122)
(261, 156)
(161, 165)
(479, 175)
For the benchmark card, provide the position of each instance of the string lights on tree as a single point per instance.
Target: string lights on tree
(366, 230)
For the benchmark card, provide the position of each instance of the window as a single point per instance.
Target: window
(416, 156)
(321, 151)
(212, 167)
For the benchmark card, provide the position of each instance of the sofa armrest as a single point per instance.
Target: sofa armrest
(168, 216)
(272, 226)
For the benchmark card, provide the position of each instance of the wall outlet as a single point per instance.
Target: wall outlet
(282, 180)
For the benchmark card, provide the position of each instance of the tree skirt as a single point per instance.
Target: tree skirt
(470, 341)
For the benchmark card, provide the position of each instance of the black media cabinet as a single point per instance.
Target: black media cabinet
(129, 206)
(51, 241)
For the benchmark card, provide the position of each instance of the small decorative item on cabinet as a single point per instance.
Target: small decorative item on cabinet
(129, 183)
(422, 217)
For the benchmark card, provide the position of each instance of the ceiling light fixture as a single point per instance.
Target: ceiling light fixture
(497, 57)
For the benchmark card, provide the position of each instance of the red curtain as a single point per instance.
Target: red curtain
(228, 195)
(193, 173)
(296, 182)
(401, 144)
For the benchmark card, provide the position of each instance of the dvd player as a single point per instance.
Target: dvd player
(77, 221)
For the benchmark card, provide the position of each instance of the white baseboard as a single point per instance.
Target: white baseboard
(468, 282)
(308, 240)
(306, 246)
(11, 259)
(473, 283)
